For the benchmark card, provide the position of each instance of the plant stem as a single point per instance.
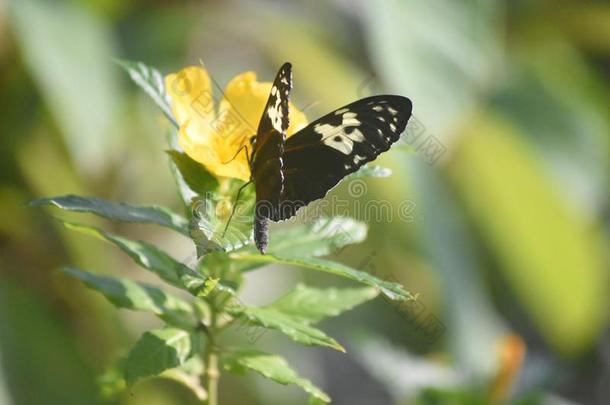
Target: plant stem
(211, 373)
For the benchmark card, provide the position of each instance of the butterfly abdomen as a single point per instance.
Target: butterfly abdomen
(261, 230)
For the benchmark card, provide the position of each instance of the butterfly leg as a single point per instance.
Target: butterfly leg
(244, 147)
(235, 206)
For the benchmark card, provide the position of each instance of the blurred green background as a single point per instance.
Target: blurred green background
(507, 235)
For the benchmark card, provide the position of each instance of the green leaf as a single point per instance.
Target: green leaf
(194, 174)
(152, 82)
(211, 213)
(371, 171)
(124, 293)
(293, 313)
(323, 237)
(311, 305)
(189, 375)
(157, 351)
(270, 366)
(186, 193)
(294, 328)
(118, 211)
(315, 401)
(391, 290)
(150, 257)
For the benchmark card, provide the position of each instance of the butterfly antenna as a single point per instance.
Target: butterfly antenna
(234, 207)
(310, 105)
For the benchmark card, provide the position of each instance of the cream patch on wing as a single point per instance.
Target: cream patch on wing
(336, 136)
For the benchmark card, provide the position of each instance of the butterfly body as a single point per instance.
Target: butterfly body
(290, 173)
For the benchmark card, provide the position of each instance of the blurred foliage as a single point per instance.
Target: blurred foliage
(509, 232)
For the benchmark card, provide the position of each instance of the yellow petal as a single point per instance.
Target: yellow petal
(193, 106)
(192, 99)
(298, 120)
(245, 98)
(240, 111)
(215, 140)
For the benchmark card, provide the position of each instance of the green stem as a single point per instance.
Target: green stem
(211, 373)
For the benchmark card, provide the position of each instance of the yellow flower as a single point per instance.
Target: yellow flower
(213, 137)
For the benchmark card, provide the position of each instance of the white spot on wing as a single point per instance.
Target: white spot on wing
(358, 159)
(324, 129)
(349, 120)
(356, 136)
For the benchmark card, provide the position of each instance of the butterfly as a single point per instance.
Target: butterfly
(290, 173)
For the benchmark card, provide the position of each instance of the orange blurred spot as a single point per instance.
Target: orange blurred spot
(511, 352)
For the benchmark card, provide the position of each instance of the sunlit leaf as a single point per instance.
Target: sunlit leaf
(323, 237)
(152, 82)
(157, 351)
(211, 213)
(292, 327)
(118, 211)
(391, 290)
(311, 305)
(189, 375)
(124, 293)
(270, 366)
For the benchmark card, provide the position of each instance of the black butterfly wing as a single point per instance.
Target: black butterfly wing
(267, 156)
(320, 155)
